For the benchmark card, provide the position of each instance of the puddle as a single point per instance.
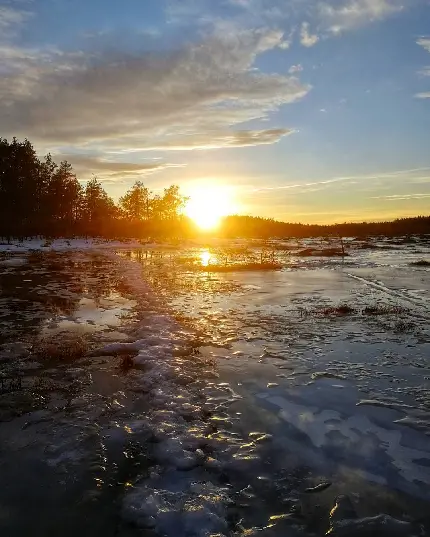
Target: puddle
(52, 292)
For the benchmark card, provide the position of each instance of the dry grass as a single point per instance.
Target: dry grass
(345, 309)
(242, 267)
(421, 263)
(342, 309)
(62, 347)
(382, 310)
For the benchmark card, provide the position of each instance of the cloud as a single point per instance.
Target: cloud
(109, 170)
(425, 43)
(330, 17)
(413, 176)
(241, 13)
(148, 99)
(306, 38)
(401, 197)
(96, 163)
(295, 69)
(11, 20)
(343, 16)
(221, 139)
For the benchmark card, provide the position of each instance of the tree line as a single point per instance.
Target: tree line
(41, 197)
(265, 228)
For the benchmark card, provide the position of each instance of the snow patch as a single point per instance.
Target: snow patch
(14, 262)
(180, 508)
(61, 245)
(183, 496)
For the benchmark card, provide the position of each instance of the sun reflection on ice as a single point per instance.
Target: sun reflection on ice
(205, 258)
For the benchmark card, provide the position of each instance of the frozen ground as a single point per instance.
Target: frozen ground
(144, 396)
(62, 245)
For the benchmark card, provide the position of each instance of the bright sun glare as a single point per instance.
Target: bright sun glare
(208, 204)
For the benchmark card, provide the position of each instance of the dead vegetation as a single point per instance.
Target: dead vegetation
(345, 309)
(420, 263)
(324, 252)
(382, 310)
(342, 309)
(242, 267)
(62, 347)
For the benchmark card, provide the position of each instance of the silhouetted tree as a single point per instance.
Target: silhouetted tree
(63, 201)
(136, 203)
(98, 210)
(19, 190)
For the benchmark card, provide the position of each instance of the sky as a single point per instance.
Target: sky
(300, 110)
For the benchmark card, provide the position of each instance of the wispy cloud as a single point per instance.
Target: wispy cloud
(425, 43)
(342, 16)
(307, 39)
(300, 185)
(11, 21)
(327, 17)
(193, 97)
(295, 69)
(413, 175)
(102, 164)
(214, 140)
(401, 197)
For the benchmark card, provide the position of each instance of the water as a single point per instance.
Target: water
(346, 397)
(226, 396)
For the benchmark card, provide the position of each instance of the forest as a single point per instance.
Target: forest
(39, 197)
(254, 227)
(42, 198)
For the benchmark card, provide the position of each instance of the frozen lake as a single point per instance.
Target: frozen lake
(144, 393)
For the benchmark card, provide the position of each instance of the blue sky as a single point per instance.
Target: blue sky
(315, 111)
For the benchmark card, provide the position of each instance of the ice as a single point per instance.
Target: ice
(179, 507)
(182, 498)
(61, 245)
(13, 262)
(196, 431)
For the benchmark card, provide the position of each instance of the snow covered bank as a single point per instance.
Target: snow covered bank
(62, 245)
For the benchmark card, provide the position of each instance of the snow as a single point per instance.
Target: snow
(182, 497)
(178, 509)
(62, 245)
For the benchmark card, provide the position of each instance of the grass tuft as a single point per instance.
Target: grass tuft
(60, 348)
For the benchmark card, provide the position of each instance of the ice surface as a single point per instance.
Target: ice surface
(230, 382)
(183, 498)
(62, 245)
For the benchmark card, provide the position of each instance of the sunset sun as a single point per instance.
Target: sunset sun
(208, 204)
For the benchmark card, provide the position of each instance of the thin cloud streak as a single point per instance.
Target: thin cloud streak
(399, 197)
(96, 163)
(352, 178)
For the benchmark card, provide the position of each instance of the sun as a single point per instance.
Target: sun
(208, 204)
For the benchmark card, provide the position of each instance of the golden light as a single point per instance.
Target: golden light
(205, 258)
(208, 204)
